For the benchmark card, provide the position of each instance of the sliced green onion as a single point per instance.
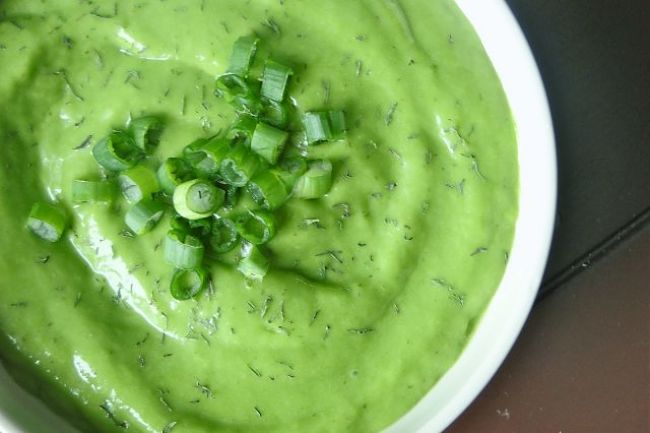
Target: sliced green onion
(224, 236)
(161, 197)
(47, 221)
(316, 182)
(317, 127)
(204, 198)
(146, 132)
(232, 85)
(89, 191)
(197, 199)
(183, 251)
(324, 126)
(275, 80)
(268, 142)
(239, 166)
(206, 168)
(143, 216)
(216, 150)
(138, 183)
(187, 283)
(250, 104)
(337, 123)
(179, 223)
(239, 92)
(242, 56)
(191, 150)
(201, 228)
(253, 265)
(172, 173)
(275, 113)
(291, 169)
(257, 227)
(197, 159)
(205, 155)
(117, 151)
(268, 189)
(244, 127)
(232, 196)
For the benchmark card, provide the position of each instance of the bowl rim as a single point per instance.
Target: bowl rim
(508, 310)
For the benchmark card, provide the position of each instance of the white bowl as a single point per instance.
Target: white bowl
(505, 316)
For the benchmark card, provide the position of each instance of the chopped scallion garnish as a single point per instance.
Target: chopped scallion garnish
(243, 128)
(91, 191)
(182, 250)
(202, 227)
(316, 182)
(274, 80)
(204, 198)
(179, 223)
(224, 236)
(223, 189)
(268, 189)
(253, 265)
(138, 183)
(216, 150)
(233, 85)
(143, 216)
(268, 142)
(242, 56)
(188, 283)
(324, 125)
(239, 92)
(233, 194)
(146, 132)
(193, 150)
(196, 156)
(47, 221)
(275, 113)
(291, 170)
(239, 166)
(338, 125)
(172, 173)
(257, 227)
(197, 199)
(317, 127)
(117, 151)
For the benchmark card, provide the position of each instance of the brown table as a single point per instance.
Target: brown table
(582, 362)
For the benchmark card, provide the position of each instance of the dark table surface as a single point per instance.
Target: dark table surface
(594, 56)
(582, 363)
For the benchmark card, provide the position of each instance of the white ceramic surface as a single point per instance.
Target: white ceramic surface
(505, 316)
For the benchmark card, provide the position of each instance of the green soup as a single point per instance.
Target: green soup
(373, 291)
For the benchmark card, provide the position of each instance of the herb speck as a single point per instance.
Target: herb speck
(391, 114)
(169, 427)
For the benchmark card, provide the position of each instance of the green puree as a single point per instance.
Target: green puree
(373, 291)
